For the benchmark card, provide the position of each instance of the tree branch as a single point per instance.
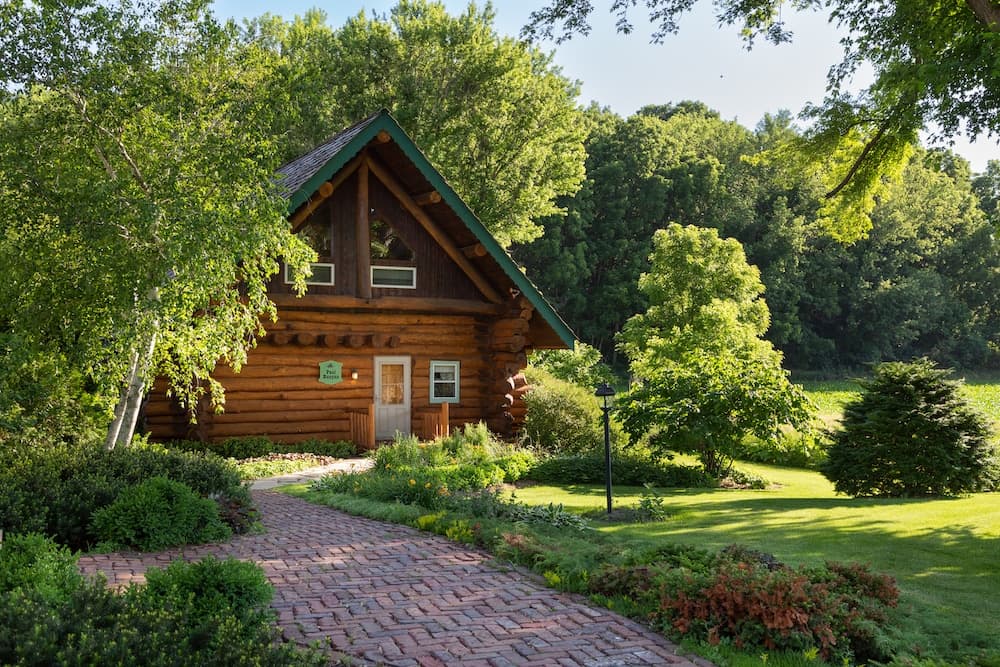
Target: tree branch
(869, 147)
(988, 13)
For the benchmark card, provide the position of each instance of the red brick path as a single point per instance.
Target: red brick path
(391, 595)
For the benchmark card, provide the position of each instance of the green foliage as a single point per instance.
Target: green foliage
(911, 433)
(206, 586)
(155, 515)
(250, 447)
(34, 562)
(273, 465)
(581, 366)
(792, 451)
(708, 379)
(138, 210)
(858, 138)
(162, 626)
(43, 401)
(626, 470)
(492, 113)
(563, 418)
(56, 490)
(651, 505)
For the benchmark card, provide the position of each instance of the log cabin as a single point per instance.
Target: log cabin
(415, 320)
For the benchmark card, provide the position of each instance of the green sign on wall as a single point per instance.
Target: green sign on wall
(330, 372)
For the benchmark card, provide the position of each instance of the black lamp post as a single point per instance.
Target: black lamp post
(605, 391)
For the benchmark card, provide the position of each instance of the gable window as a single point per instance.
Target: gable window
(386, 244)
(444, 381)
(316, 234)
(404, 277)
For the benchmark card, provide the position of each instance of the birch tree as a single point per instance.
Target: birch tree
(136, 179)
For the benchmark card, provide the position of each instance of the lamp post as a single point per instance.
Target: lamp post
(605, 391)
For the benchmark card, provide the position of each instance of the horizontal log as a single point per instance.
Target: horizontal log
(387, 303)
(366, 317)
(277, 415)
(265, 428)
(306, 338)
(426, 198)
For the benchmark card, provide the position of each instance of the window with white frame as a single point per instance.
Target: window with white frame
(444, 381)
(320, 273)
(400, 277)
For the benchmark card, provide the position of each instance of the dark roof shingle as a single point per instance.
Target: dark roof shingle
(296, 173)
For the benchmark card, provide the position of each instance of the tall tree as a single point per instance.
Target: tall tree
(708, 378)
(934, 65)
(136, 174)
(492, 113)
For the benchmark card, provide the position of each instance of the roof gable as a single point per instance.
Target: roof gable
(303, 176)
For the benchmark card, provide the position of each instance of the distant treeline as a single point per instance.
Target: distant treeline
(925, 280)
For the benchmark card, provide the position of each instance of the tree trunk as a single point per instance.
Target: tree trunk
(127, 411)
(115, 428)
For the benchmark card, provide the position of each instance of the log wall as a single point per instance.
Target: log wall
(278, 393)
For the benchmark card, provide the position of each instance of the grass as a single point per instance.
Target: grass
(945, 554)
(982, 389)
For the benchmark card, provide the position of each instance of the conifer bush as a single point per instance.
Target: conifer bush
(911, 433)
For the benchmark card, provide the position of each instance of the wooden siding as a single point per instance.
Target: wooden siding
(278, 393)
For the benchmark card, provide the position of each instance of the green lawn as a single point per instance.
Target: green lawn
(983, 389)
(945, 554)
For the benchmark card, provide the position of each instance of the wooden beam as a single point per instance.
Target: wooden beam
(390, 182)
(325, 190)
(474, 250)
(385, 303)
(363, 256)
(425, 198)
(383, 137)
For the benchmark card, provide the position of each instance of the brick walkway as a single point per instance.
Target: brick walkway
(390, 595)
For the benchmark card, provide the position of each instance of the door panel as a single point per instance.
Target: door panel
(392, 397)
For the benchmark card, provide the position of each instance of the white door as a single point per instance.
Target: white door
(392, 397)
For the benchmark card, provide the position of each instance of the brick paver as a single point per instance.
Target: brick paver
(391, 595)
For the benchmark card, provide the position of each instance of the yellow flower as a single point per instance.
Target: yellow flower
(412, 482)
(427, 485)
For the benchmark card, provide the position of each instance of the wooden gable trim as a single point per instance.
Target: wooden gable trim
(442, 239)
(324, 192)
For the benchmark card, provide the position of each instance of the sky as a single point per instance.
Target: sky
(703, 62)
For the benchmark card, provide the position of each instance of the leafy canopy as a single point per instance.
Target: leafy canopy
(135, 170)
(934, 67)
(708, 379)
(493, 114)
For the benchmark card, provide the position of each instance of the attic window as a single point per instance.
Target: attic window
(316, 234)
(387, 245)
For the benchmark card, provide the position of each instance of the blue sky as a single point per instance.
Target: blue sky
(704, 62)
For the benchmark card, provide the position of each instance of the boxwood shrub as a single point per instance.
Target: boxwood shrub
(155, 515)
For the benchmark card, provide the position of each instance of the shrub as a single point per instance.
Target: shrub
(251, 447)
(157, 514)
(626, 470)
(910, 433)
(55, 491)
(97, 626)
(794, 451)
(210, 585)
(562, 418)
(35, 562)
(757, 605)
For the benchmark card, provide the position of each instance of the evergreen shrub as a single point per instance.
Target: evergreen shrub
(35, 562)
(56, 490)
(157, 514)
(911, 433)
(168, 623)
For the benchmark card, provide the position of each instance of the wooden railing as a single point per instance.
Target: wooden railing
(435, 424)
(363, 427)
